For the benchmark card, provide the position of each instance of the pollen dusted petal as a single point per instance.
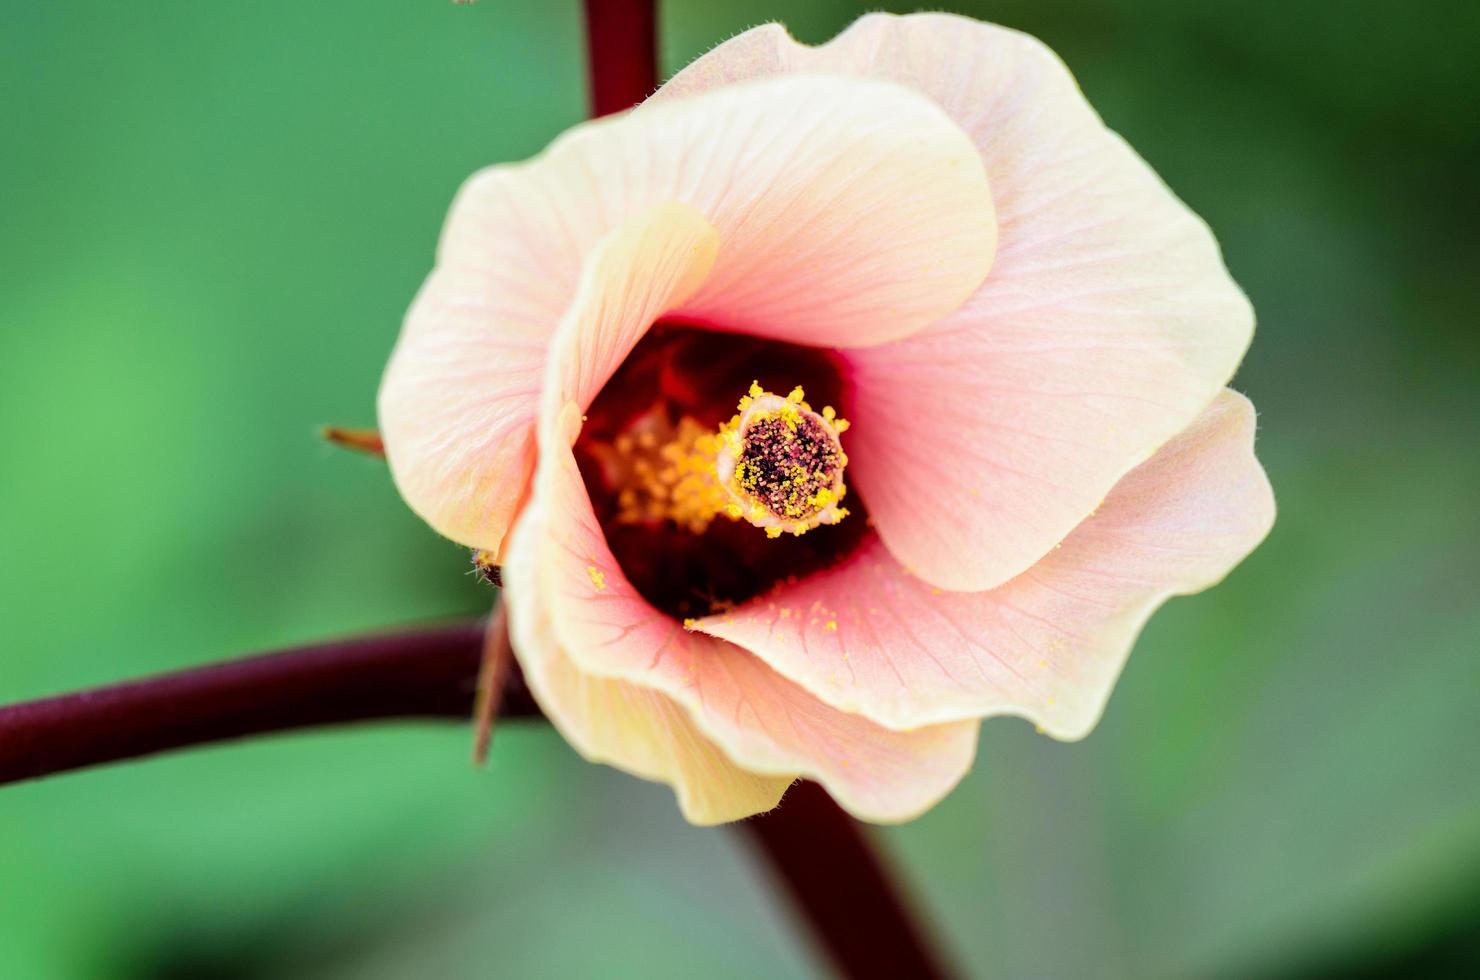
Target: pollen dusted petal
(867, 636)
(635, 728)
(763, 722)
(1107, 324)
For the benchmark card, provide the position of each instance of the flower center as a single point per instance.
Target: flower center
(681, 478)
(776, 464)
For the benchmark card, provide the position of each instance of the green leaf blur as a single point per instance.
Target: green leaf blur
(214, 216)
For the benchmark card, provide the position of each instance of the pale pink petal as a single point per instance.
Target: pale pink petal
(1107, 323)
(867, 636)
(644, 269)
(456, 409)
(457, 403)
(848, 212)
(762, 721)
(635, 728)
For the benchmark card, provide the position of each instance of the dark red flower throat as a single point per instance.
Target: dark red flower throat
(677, 373)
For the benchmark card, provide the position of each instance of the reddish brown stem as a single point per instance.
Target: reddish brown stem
(817, 852)
(837, 879)
(428, 673)
(622, 50)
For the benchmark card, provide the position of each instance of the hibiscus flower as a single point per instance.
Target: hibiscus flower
(830, 401)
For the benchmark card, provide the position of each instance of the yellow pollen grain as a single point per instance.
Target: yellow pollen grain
(666, 472)
(597, 577)
(831, 625)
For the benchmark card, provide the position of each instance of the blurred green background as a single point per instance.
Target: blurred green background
(213, 218)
